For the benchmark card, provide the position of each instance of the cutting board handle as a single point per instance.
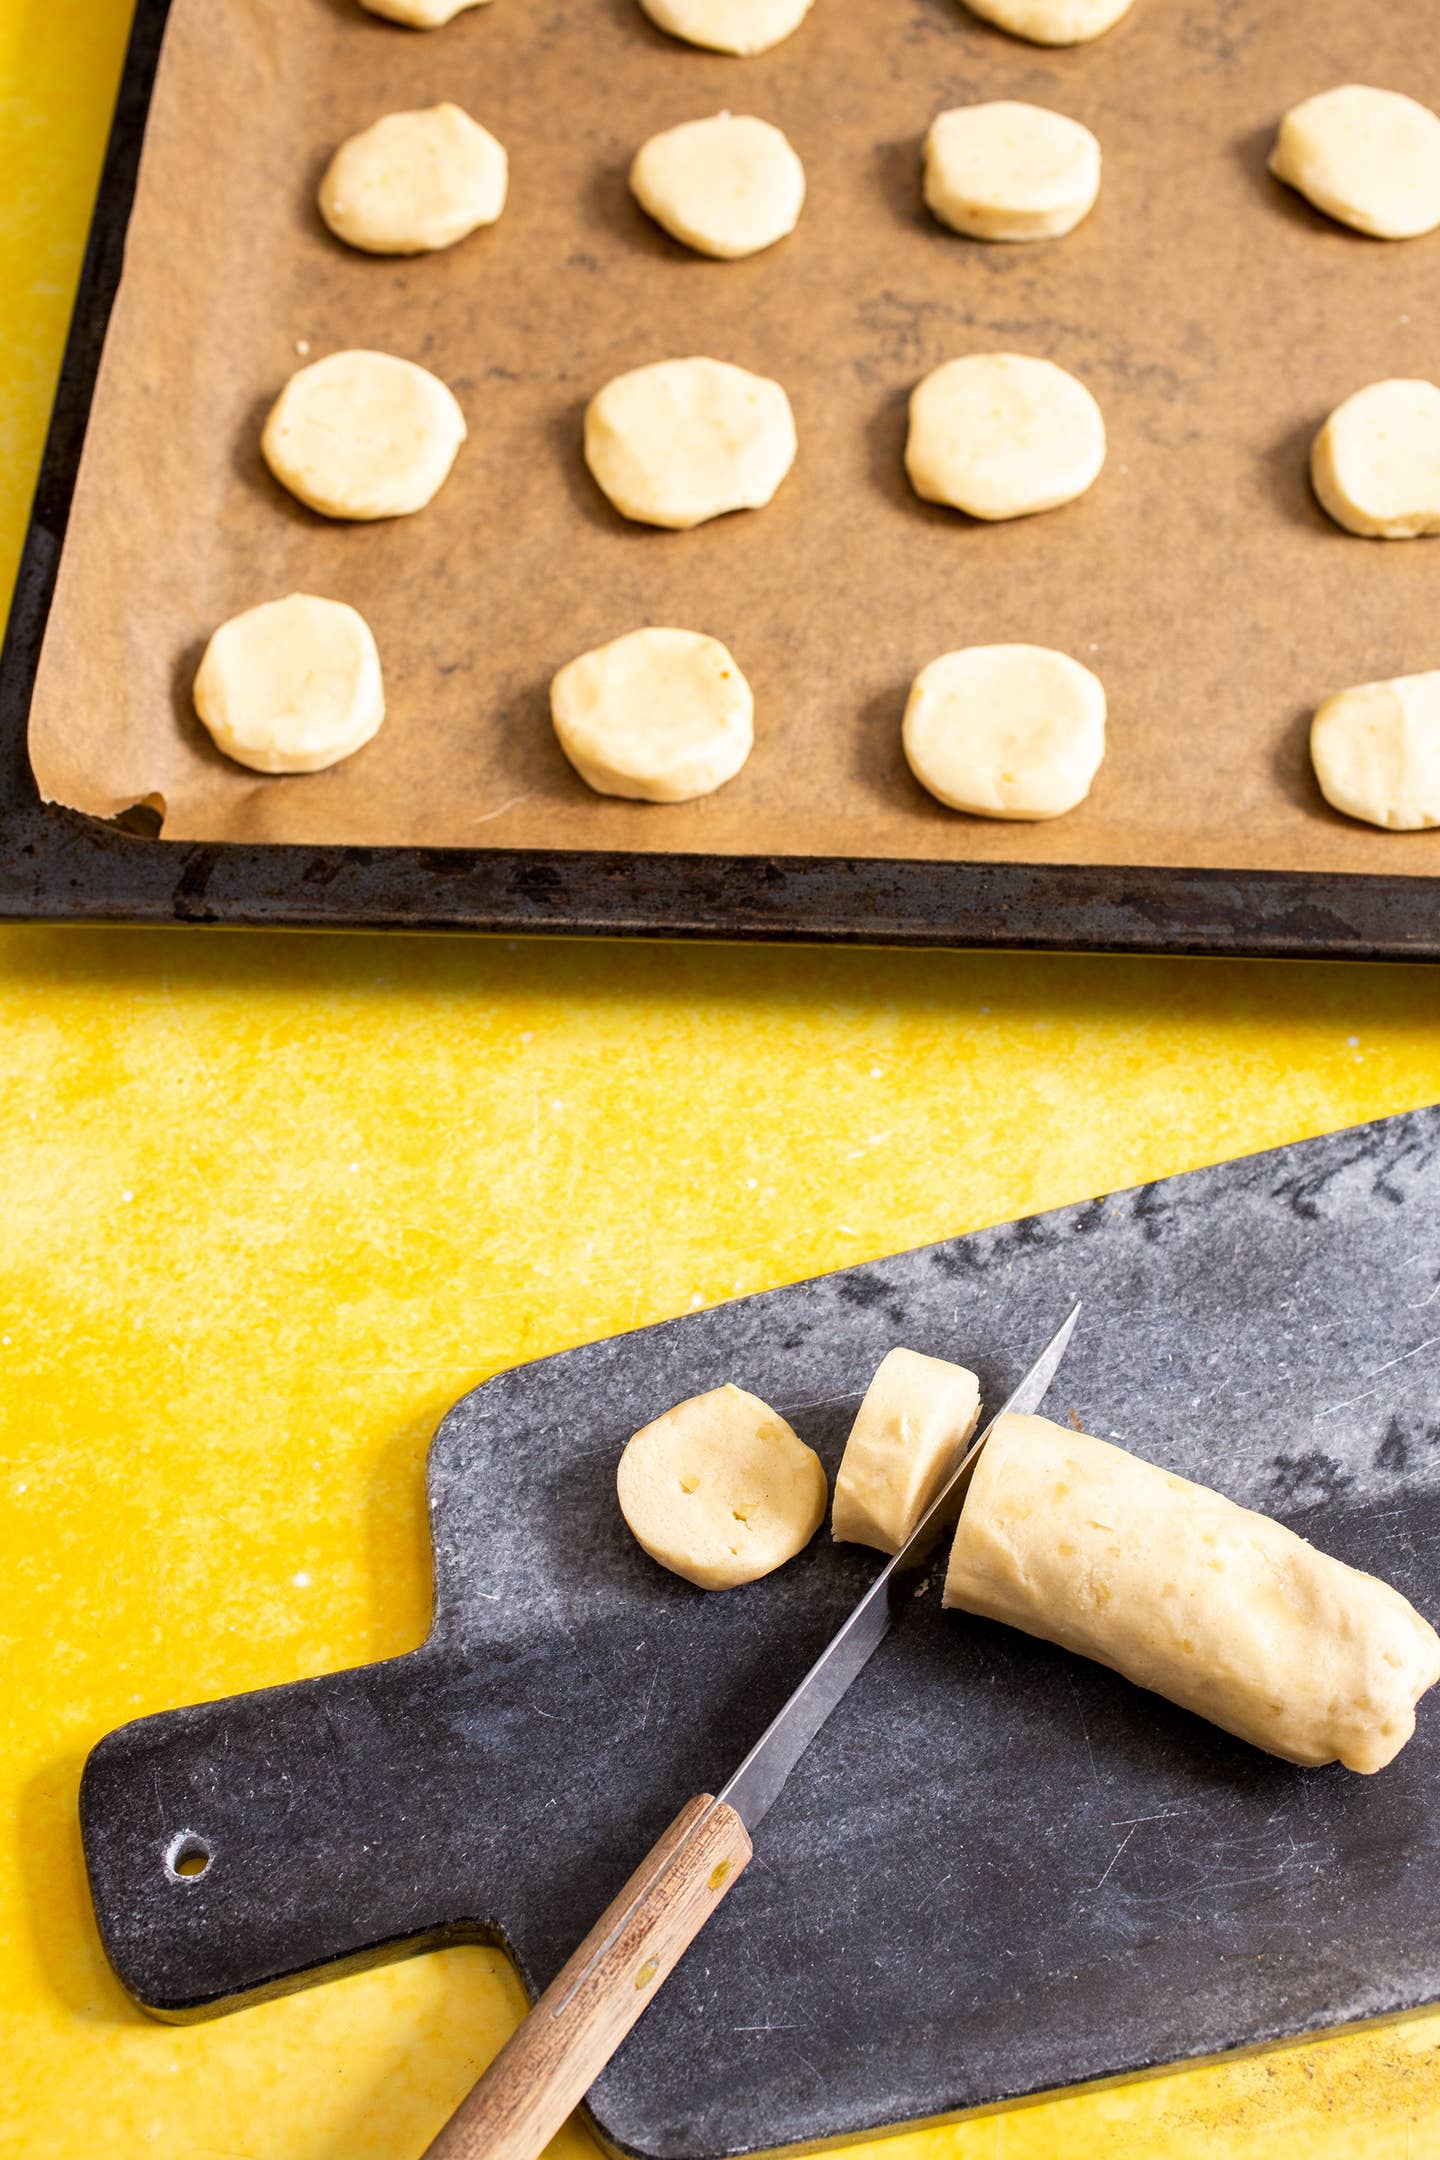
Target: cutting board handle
(546, 2068)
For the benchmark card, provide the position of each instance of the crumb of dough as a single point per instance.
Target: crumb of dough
(291, 686)
(658, 715)
(413, 182)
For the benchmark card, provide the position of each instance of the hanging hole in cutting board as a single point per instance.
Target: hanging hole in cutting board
(187, 1857)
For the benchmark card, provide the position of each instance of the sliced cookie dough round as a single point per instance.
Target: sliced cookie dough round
(1002, 435)
(1009, 171)
(721, 1490)
(1375, 465)
(413, 182)
(1370, 158)
(728, 186)
(291, 686)
(1376, 752)
(1006, 731)
(1052, 22)
(909, 1433)
(363, 435)
(420, 14)
(657, 715)
(729, 26)
(685, 440)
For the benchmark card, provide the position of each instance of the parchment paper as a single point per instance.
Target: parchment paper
(1214, 315)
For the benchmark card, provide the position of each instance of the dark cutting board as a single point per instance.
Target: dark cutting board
(999, 1870)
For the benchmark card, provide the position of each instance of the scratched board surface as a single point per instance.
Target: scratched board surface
(999, 1869)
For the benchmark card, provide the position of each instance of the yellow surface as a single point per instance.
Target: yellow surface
(270, 1205)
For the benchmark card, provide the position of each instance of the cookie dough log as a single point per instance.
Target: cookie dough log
(909, 1432)
(291, 686)
(420, 14)
(1375, 465)
(1006, 731)
(729, 26)
(1370, 158)
(727, 186)
(1219, 1609)
(657, 715)
(682, 441)
(413, 182)
(1052, 22)
(363, 435)
(1376, 752)
(1010, 171)
(721, 1490)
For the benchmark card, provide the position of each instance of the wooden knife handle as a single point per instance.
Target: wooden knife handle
(546, 2068)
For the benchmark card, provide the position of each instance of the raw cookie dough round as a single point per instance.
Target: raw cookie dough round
(1375, 465)
(720, 1490)
(1008, 171)
(685, 440)
(657, 715)
(909, 1433)
(420, 14)
(1001, 435)
(728, 26)
(363, 435)
(727, 186)
(1376, 752)
(1370, 158)
(1052, 22)
(1006, 731)
(291, 686)
(414, 181)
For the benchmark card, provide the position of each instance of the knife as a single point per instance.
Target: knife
(549, 2064)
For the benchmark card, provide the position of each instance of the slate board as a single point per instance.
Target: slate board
(999, 1870)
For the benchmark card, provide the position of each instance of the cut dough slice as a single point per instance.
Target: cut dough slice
(1370, 158)
(1217, 1608)
(363, 435)
(686, 440)
(1008, 171)
(420, 14)
(727, 186)
(1006, 731)
(292, 686)
(658, 715)
(1052, 22)
(908, 1433)
(414, 181)
(729, 26)
(1376, 462)
(1001, 435)
(721, 1490)
(1376, 752)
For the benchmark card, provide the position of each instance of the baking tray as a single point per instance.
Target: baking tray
(59, 865)
(1000, 1869)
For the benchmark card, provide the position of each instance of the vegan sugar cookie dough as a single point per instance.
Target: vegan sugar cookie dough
(1376, 752)
(1052, 22)
(1003, 435)
(728, 186)
(909, 1432)
(1375, 465)
(291, 686)
(420, 14)
(721, 1490)
(1006, 731)
(1219, 1609)
(657, 715)
(363, 435)
(685, 440)
(1370, 158)
(729, 26)
(1008, 171)
(414, 182)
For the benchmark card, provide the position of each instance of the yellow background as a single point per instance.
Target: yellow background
(271, 1204)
